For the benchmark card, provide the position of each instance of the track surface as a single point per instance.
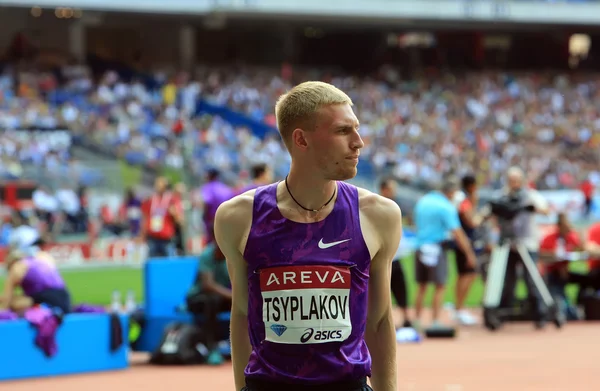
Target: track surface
(516, 358)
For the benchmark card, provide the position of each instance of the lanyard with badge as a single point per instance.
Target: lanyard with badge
(561, 249)
(158, 211)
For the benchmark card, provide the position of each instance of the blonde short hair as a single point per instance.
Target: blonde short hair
(298, 107)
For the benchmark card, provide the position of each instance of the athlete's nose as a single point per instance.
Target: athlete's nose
(357, 142)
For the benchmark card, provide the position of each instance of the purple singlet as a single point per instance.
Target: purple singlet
(307, 293)
(40, 276)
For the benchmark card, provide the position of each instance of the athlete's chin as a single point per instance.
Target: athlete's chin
(346, 174)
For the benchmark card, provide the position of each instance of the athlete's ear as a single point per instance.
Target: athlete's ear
(299, 138)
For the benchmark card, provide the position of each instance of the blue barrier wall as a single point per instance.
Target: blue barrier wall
(83, 342)
(166, 283)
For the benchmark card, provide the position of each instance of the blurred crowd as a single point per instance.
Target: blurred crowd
(34, 142)
(418, 129)
(52, 213)
(148, 121)
(423, 128)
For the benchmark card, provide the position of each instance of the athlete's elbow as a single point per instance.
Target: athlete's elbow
(381, 323)
(238, 309)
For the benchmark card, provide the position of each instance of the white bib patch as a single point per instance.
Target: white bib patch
(306, 304)
(156, 223)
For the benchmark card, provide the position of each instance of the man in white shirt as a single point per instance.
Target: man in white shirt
(70, 205)
(45, 204)
(527, 230)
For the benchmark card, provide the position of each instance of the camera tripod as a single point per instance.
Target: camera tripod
(496, 274)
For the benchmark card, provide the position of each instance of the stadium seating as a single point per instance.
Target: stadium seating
(83, 342)
(166, 282)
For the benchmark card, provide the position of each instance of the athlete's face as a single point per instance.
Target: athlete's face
(335, 144)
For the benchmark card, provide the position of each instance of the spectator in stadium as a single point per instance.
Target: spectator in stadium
(527, 230)
(387, 188)
(261, 176)
(70, 208)
(45, 205)
(84, 215)
(211, 294)
(130, 212)
(589, 283)
(587, 189)
(39, 279)
(213, 193)
(470, 222)
(436, 220)
(160, 214)
(109, 221)
(555, 245)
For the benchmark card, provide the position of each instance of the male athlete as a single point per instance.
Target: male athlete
(310, 260)
(387, 188)
(38, 278)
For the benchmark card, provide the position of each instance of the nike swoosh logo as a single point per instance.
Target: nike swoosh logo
(323, 246)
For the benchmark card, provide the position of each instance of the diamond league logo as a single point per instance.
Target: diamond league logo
(278, 329)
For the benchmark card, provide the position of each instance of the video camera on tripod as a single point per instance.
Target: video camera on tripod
(506, 209)
(509, 211)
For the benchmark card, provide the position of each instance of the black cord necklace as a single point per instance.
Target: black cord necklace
(300, 205)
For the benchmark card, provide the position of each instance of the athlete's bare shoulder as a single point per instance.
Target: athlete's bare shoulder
(378, 208)
(237, 209)
(381, 221)
(233, 220)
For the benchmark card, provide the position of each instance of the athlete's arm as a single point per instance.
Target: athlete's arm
(232, 224)
(13, 279)
(452, 223)
(385, 219)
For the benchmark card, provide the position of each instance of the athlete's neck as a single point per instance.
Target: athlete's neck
(310, 192)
